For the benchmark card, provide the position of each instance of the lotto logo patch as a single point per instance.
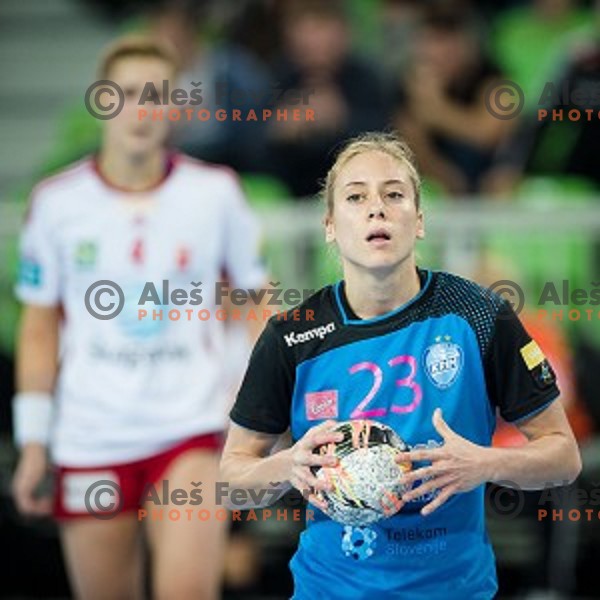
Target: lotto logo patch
(532, 355)
(321, 405)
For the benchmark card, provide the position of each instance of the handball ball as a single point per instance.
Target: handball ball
(367, 481)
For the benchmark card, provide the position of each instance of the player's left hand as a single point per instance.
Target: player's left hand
(457, 466)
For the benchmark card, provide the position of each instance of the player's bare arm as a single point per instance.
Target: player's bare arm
(249, 462)
(551, 457)
(37, 364)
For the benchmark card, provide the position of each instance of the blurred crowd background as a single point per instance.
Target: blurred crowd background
(510, 198)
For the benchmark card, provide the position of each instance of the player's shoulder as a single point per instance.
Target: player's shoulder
(308, 319)
(55, 194)
(462, 294)
(466, 299)
(67, 179)
(206, 173)
(479, 307)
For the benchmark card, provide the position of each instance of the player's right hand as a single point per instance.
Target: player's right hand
(303, 458)
(29, 475)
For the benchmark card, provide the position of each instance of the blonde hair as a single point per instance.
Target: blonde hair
(388, 143)
(137, 46)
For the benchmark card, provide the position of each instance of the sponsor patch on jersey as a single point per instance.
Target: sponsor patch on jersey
(85, 255)
(293, 338)
(443, 362)
(532, 355)
(358, 542)
(543, 375)
(129, 322)
(30, 272)
(321, 405)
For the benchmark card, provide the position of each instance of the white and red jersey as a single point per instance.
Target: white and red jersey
(129, 387)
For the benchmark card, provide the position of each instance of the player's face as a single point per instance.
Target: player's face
(374, 221)
(129, 130)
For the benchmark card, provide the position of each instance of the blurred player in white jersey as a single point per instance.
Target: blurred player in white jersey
(136, 401)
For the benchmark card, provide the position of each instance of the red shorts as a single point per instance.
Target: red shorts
(103, 492)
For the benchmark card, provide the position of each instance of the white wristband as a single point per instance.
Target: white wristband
(32, 417)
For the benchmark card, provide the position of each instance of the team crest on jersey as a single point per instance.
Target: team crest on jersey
(86, 253)
(443, 361)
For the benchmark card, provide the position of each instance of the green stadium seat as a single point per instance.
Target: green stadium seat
(267, 193)
(264, 191)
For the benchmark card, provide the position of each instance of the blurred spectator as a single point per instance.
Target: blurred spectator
(526, 40)
(550, 336)
(554, 569)
(561, 146)
(247, 27)
(345, 93)
(116, 10)
(441, 105)
(398, 21)
(230, 77)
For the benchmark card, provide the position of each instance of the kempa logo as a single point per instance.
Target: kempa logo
(291, 339)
